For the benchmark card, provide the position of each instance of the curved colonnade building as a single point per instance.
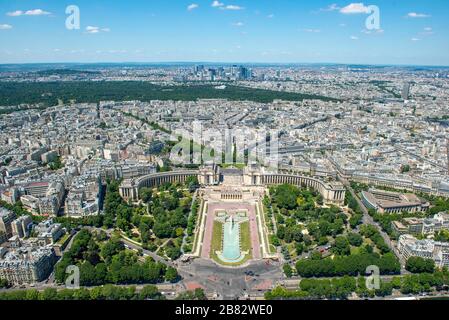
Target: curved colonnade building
(332, 192)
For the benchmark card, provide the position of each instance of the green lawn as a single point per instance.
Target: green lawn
(217, 235)
(198, 225)
(245, 236)
(266, 220)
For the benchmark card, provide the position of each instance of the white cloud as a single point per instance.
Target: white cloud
(378, 31)
(217, 4)
(5, 26)
(270, 16)
(193, 6)
(427, 31)
(93, 29)
(232, 7)
(238, 24)
(355, 8)
(222, 6)
(416, 39)
(15, 13)
(312, 30)
(331, 7)
(354, 38)
(34, 12)
(417, 15)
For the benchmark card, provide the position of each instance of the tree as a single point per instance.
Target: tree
(4, 283)
(150, 292)
(288, 270)
(442, 236)
(386, 289)
(299, 248)
(87, 274)
(171, 275)
(32, 294)
(337, 288)
(162, 229)
(347, 265)
(323, 241)
(179, 232)
(396, 282)
(101, 272)
(192, 183)
(281, 232)
(111, 248)
(341, 246)
(355, 239)
(286, 196)
(316, 255)
(420, 265)
(275, 240)
(320, 200)
(144, 230)
(56, 164)
(49, 294)
(66, 294)
(197, 294)
(145, 194)
(355, 220)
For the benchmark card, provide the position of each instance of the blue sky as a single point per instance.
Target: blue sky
(412, 31)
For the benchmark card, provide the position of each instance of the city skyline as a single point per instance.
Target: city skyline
(222, 31)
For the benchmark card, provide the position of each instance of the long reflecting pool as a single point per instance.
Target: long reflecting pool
(231, 242)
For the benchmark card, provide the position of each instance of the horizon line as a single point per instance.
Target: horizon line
(226, 63)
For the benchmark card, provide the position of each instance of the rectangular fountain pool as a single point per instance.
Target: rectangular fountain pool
(231, 242)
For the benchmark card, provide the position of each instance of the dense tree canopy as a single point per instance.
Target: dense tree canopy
(420, 265)
(109, 262)
(355, 239)
(341, 246)
(16, 93)
(348, 265)
(197, 294)
(107, 292)
(286, 196)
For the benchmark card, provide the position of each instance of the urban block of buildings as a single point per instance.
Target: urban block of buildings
(393, 202)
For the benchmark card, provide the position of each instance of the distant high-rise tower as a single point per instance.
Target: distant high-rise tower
(198, 68)
(406, 91)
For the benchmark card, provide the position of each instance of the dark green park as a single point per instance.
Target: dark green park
(48, 93)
